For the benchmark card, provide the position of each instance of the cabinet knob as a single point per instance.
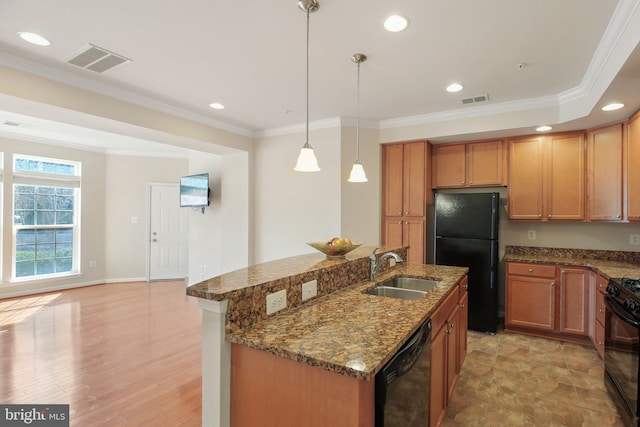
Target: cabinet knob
(637, 216)
(466, 286)
(399, 222)
(470, 182)
(399, 213)
(618, 216)
(539, 215)
(462, 183)
(553, 283)
(461, 305)
(600, 343)
(549, 216)
(601, 285)
(406, 213)
(531, 270)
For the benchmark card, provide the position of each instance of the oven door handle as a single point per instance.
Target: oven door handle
(620, 311)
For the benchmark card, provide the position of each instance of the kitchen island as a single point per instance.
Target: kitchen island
(339, 339)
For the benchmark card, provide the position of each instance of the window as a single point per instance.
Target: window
(46, 194)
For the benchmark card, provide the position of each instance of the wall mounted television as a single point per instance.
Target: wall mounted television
(194, 190)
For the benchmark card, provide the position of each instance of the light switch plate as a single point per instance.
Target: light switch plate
(276, 301)
(309, 289)
(532, 235)
(634, 239)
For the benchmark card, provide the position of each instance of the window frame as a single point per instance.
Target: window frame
(46, 179)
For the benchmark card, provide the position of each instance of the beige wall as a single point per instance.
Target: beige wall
(127, 180)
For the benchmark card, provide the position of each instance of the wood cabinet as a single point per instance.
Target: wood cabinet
(604, 173)
(473, 164)
(574, 301)
(448, 350)
(406, 193)
(530, 296)
(547, 299)
(547, 177)
(633, 171)
(598, 312)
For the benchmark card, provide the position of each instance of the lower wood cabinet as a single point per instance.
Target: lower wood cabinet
(407, 231)
(599, 291)
(448, 350)
(548, 300)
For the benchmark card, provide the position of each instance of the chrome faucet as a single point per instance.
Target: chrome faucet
(375, 266)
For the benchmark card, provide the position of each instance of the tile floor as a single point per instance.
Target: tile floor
(515, 380)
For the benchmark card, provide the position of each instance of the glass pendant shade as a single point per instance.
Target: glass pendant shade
(357, 173)
(307, 160)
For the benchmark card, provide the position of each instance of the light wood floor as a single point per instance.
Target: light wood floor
(118, 354)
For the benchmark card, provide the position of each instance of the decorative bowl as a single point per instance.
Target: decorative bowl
(334, 251)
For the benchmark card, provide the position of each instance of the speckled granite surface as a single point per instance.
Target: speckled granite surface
(339, 326)
(348, 325)
(247, 289)
(607, 263)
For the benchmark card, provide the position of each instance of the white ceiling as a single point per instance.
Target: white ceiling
(250, 56)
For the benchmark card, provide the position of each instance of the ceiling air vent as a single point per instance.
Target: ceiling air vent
(475, 99)
(97, 59)
(8, 123)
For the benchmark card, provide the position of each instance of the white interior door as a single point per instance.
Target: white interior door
(169, 234)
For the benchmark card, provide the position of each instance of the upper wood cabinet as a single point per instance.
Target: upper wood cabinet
(604, 173)
(406, 193)
(405, 179)
(633, 171)
(547, 177)
(473, 164)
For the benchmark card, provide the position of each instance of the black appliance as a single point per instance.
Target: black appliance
(621, 346)
(402, 386)
(466, 235)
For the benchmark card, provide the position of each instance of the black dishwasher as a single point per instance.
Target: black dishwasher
(402, 386)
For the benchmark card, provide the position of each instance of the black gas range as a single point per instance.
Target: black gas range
(622, 346)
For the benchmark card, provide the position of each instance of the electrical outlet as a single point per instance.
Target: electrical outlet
(92, 264)
(276, 301)
(532, 235)
(392, 262)
(309, 289)
(634, 239)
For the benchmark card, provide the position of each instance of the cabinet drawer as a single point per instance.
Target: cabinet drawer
(601, 285)
(439, 317)
(599, 339)
(533, 270)
(600, 308)
(463, 287)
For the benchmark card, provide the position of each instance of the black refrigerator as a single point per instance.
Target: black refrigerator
(466, 235)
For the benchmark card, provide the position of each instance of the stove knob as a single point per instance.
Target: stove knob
(632, 306)
(612, 291)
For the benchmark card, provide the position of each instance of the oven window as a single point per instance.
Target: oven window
(621, 357)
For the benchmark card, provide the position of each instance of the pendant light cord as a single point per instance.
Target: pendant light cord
(306, 144)
(358, 115)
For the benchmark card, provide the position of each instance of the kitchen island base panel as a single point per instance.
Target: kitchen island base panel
(269, 390)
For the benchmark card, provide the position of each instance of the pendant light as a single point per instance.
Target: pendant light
(307, 160)
(357, 172)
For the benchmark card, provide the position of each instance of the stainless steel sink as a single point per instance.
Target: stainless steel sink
(392, 292)
(412, 283)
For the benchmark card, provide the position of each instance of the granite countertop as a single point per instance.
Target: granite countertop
(348, 326)
(611, 264)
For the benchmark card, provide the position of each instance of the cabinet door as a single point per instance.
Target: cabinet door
(574, 301)
(604, 173)
(566, 177)
(449, 165)
(438, 377)
(484, 163)
(525, 178)
(414, 237)
(463, 322)
(393, 231)
(415, 156)
(393, 176)
(633, 171)
(452, 350)
(530, 302)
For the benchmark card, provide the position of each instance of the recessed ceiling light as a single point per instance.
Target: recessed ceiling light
(613, 106)
(216, 106)
(544, 128)
(454, 87)
(396, 23)
(34, 38)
